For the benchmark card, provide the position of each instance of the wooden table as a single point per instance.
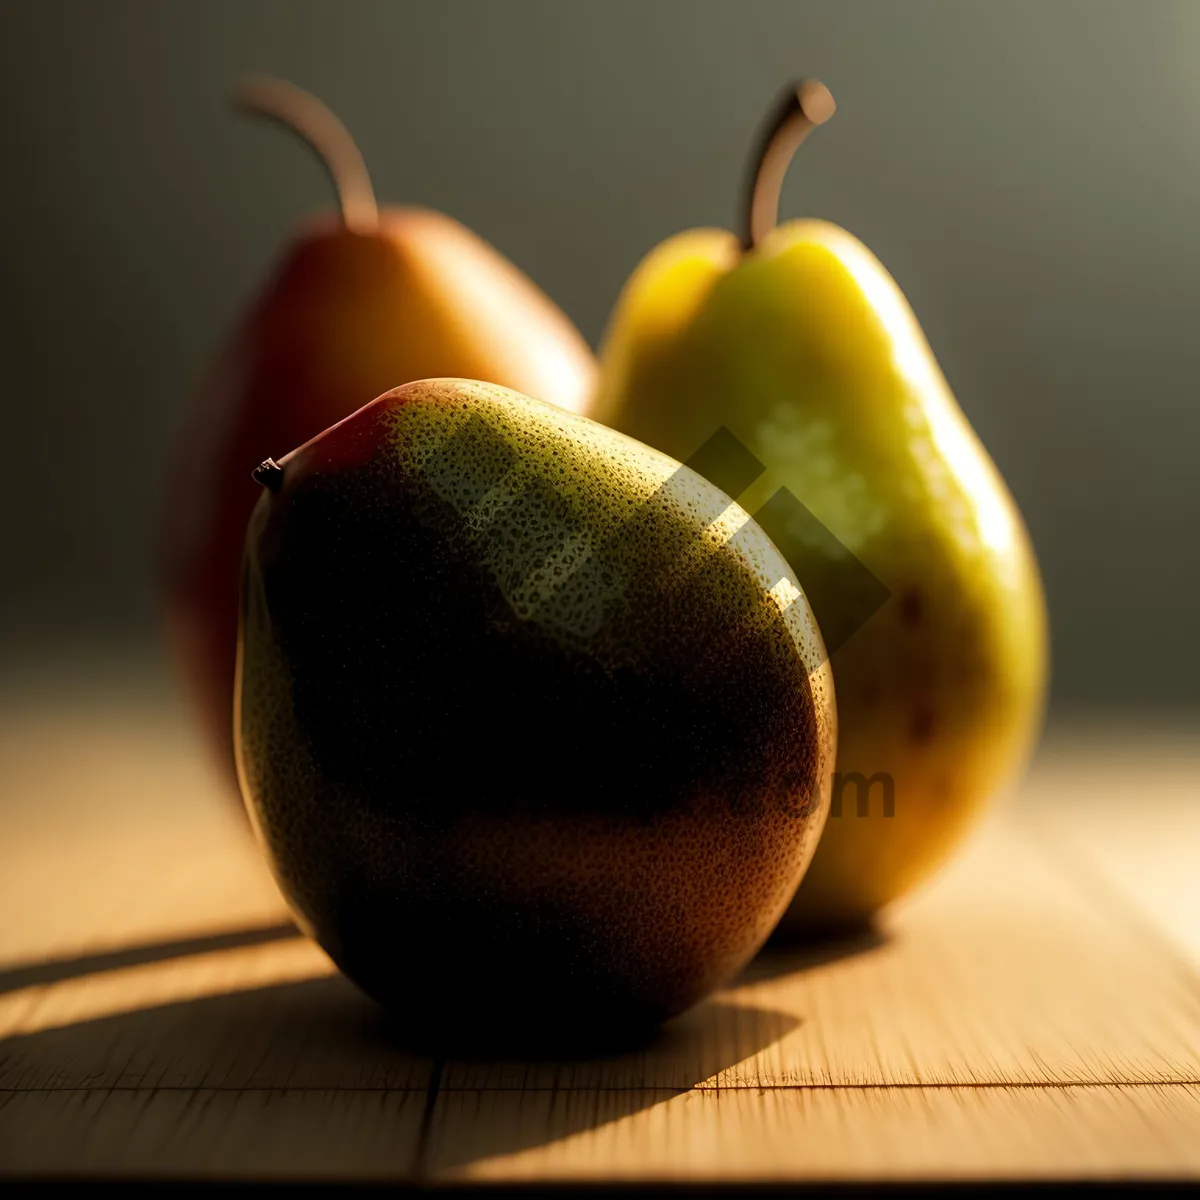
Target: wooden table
(1033, 1013)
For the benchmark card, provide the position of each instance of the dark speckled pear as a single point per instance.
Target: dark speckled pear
(532, 723)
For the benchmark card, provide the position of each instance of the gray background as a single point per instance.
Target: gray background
(1029, 172)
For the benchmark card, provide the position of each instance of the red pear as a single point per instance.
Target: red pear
(360, 302)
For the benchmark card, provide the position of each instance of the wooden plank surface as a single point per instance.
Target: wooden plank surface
(820, 1133)
(1120, 806)
(1034, 1012)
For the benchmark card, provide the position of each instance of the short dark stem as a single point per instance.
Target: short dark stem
(798, 113)
(269, 474)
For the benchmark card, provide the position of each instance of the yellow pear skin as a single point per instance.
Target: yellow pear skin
(806, 350)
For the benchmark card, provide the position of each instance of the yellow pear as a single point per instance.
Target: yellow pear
(871, 482)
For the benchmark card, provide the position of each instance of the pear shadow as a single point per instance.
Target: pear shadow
(493, 1107)
(318, 1033)
(56, 970)
(314, 1078)
(789, 951)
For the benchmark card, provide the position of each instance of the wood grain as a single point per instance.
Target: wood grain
(258, 1133)
(1035, 1012)
(820, 1133)
(1124, 821)
(1004, 972)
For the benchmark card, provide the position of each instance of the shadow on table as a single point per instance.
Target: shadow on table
(783, 954)
(787, 953)
(311, 1077)
(491, 1107)
(56, 970)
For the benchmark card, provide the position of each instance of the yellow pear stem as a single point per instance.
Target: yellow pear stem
(802, 109)
(309, 119)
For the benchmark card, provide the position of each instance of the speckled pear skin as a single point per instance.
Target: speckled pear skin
(523, 733)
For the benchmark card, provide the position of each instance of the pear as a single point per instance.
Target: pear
(799, 345)
(360, 301)
(524, 708)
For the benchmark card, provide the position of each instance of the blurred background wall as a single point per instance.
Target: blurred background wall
(1029, 170)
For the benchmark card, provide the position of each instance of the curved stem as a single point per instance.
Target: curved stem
(307, 117)
(802, 109)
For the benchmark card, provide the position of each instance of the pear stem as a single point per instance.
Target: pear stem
(801, 110)
(309, 119)
(268, 474)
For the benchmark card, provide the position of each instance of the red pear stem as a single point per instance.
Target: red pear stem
(309, 119)
(802, 109)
